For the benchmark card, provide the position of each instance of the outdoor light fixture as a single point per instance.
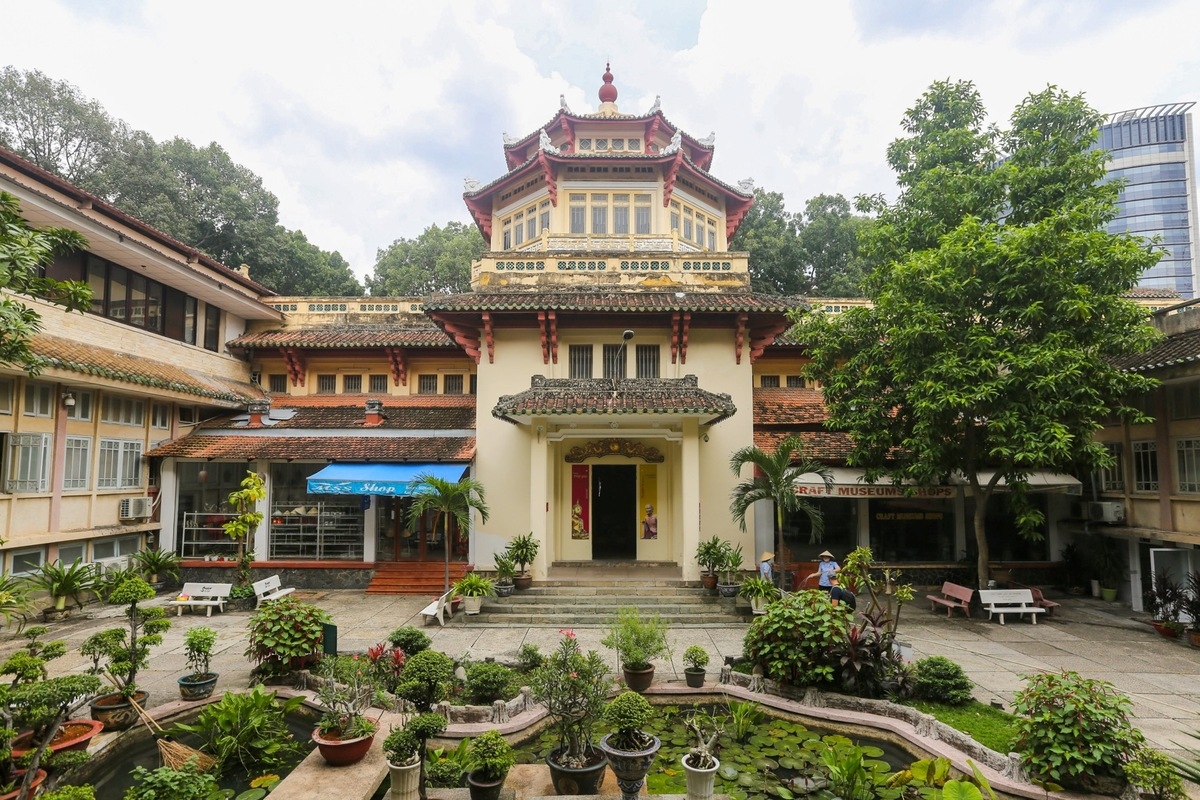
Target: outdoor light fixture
(69, 399)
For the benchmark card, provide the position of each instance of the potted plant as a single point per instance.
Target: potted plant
(573, 687)
(63, 581)
(731, 565)
(247, 518)
(1192, 608)
(157, 565)
(425, 681)
(630, 750)
(759, 591)
(125, 651)
(473, 587)
(1165, 601)
(638, 641)
(197, 648)
(405, 754)
(695, 659)
(505, 570)
(523, 550)
(700, 764)
(284, 635)
(710, 555)
(344, 733)
(1110, 563)
(491, 758)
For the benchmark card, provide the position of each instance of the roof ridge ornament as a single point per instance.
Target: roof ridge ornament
(562, 103)
(746, 185)
(471, 185)
(509, 140)
(708, 141)
(546, 145)
(676, 143)
(657, 104)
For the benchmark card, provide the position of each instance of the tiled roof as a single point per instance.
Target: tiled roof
(734, 302)
(327, 412)
(337, 448)
(344, 336)
(789, 407)
(1182, 348)
(88, 359)
(827, 446)
(603, 396)
(1151, 292)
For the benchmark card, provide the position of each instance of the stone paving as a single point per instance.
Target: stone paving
(1097, 639)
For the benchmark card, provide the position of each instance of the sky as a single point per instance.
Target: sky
(364, 118)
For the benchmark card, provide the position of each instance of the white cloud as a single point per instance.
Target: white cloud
(363, 117)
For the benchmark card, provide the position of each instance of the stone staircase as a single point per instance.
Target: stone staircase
(582, 604)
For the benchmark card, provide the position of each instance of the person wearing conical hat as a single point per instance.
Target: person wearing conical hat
(765, 567)
(826, 569)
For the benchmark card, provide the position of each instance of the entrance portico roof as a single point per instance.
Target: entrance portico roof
(603, 396)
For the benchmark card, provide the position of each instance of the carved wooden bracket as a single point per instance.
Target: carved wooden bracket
(740, 337)
(735, 212)
(614, 447)
(672, 174)
(569, 132)
(675, 337)
(398, 361)
(296, 367)
(761, 337)
(548, 332)
(685, 325)
(487, 332)
(466, 337)
(548, 172)
(651, 130)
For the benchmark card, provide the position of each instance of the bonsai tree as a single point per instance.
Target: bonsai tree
(345, 695)
(703, 755)
(638, 640)
(695, 657)
(573, 687)
(523, 550)
(198, 644)
(425, 681)
(156, 564)
(446, 500)
(491, 757)
(774, 479)
(124, 651)
(245, 500)
(63, 581)
(628, 713)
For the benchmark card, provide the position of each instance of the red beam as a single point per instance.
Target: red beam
(672, 174)
(466, 337)
(487, 332)
(684, 329)
(675, 338)
(761, 337)
(548, 171)
(544, 336)
(553, 320)
(294, 359)
(739, 338)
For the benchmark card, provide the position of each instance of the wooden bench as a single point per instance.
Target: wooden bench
(270, 589)
(1039, 599)
(952, 596)
(439, 608)
(1009, 601)
(207, 595)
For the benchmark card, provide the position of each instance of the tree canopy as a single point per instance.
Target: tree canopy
(199, 195)
(24, 253)
(810, 252)
(438, 261)
(997, 305)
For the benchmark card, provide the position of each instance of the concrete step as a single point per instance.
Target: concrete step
(560, 620)
(495, 606)
(611, 587)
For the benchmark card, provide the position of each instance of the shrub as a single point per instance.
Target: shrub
(401, 747)
(198, 645)
(283, 633)
(409, 639)
(165, 783)
(795, 639)
(1073, 728)
(487, 682)
(249, 729)
(628, 713)
(529, 657)
(573, 686)
(491, 757)
(70, 793)
(637, 640)
(426, 679)
(1152, 773)
(941, 680)
(695, 657)
(126, 651)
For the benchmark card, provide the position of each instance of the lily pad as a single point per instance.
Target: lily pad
(727, 772)
(766, 763)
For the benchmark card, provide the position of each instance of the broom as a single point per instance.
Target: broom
(175, 755)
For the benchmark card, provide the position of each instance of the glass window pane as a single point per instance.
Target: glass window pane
(118, 290)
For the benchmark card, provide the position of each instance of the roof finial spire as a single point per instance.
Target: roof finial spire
(608, 92)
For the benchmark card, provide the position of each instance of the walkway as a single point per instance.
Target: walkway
(1097, 639)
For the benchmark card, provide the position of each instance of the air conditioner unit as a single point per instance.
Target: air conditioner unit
(103, 566)
(1106, 512)
(135, 508)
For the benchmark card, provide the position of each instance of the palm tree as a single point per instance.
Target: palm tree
(774, 479)
(446, 500)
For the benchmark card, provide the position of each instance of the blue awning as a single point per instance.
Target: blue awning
(386, 479)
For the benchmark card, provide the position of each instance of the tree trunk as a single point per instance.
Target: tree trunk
(981, 543)
(446, 547)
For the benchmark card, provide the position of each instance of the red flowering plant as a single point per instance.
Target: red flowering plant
(348, 688)
(387, 664)
(574, 688)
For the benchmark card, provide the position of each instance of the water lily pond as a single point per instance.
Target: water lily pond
(761, 756)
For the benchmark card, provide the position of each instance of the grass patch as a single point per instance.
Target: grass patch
(989, 726)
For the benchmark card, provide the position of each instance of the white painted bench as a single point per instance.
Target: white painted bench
(270, 589)
(206, 595)
(1009, 601)
(439, 608)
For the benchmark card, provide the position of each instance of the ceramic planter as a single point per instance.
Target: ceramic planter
(708, 581)
(193, 688)
(630, 766)
(728, 589)
(482, 789)
(582, 780)
(694, 677)
(1166, 631)
(1108, 594)
(504, 589)
(115, 711)
(759, 605)
(472, 605)
(639, 680)
(406, 781)
(73, 735)
(339, 752)
(700, 782)
(523, 582)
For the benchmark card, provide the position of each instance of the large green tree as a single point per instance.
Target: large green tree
(436, 262)
(771, 235)
(997, 305)
(24, 253)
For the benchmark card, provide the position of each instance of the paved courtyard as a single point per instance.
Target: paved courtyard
(1097, 639)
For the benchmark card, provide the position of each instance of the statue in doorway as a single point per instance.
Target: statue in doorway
(578, 531)
(650, 524)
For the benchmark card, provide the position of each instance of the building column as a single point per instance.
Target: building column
(864, 522)
(168, 507)
(689, 494)
(539, 495)
(370, 527)
(1134, 559)
(262, 548)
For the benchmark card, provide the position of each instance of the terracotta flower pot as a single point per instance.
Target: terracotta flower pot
(1193, 638)
(73, 735)
(339, 752)
(708, 581)
(37, 781)
(523, 582)
(639, 680)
